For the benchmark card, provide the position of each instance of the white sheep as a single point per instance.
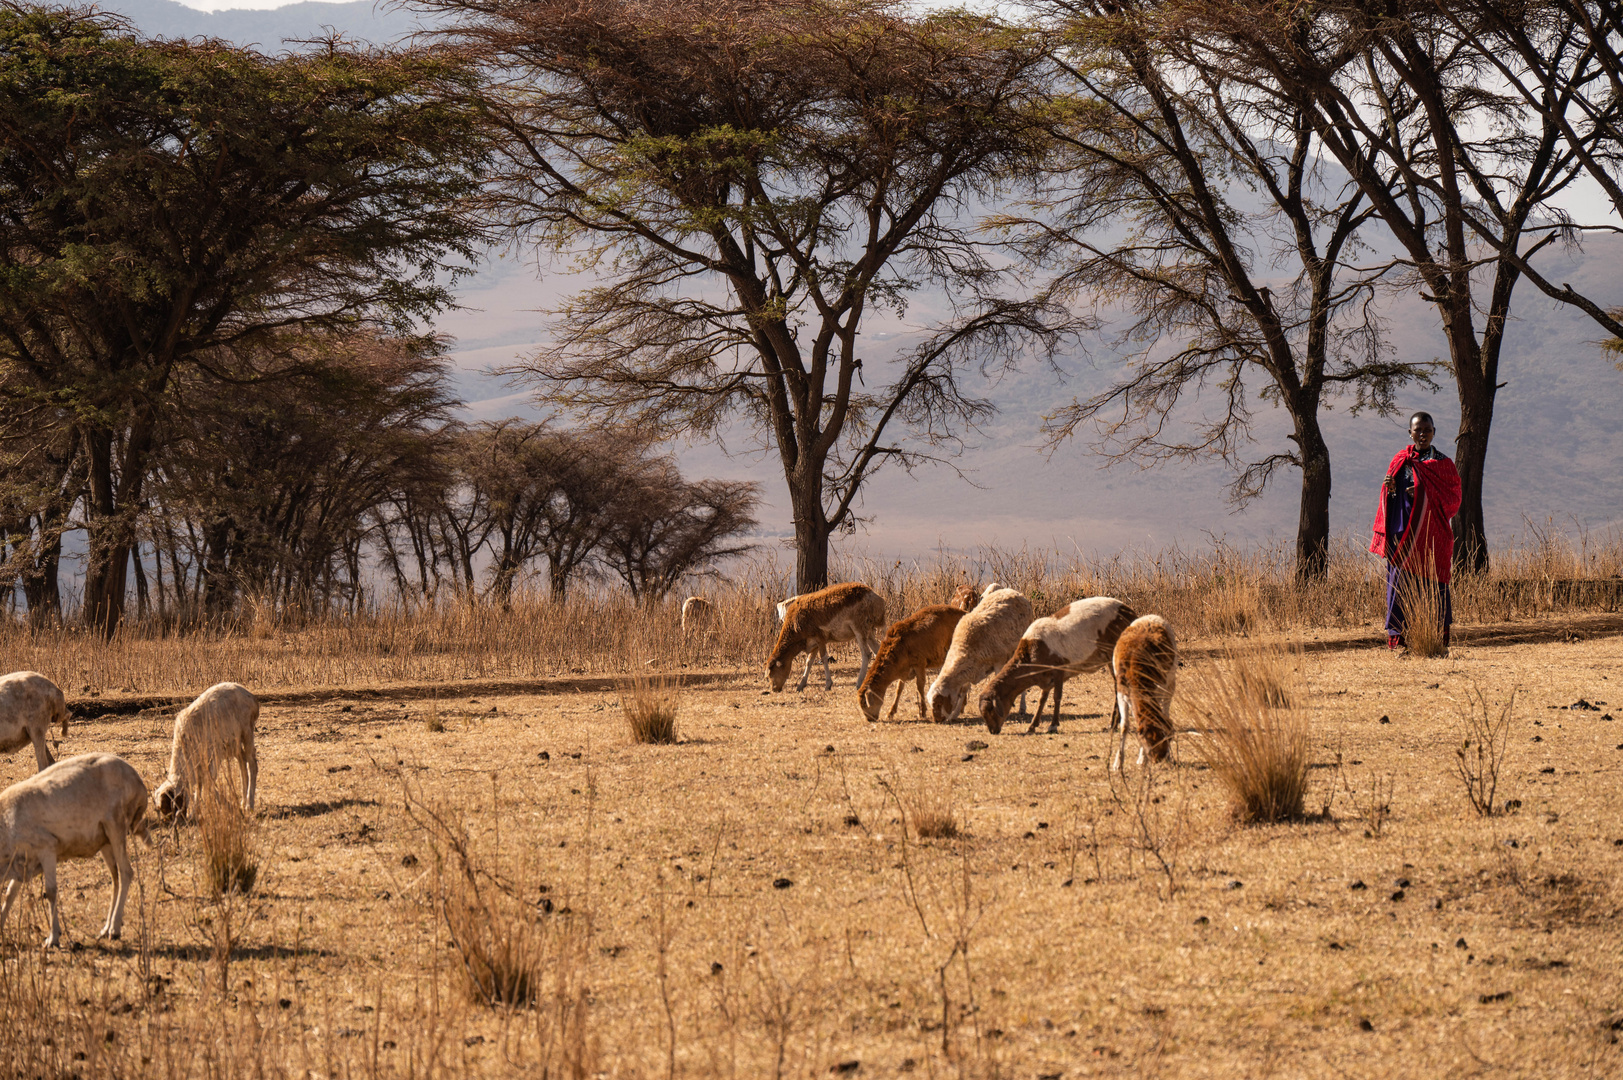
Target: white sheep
(218, 726)
(1075, 640)
(81, 806)
(29, 704)
(982, 642)
(697, 614)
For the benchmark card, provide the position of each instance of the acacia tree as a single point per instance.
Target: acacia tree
(1193, 210)
(1457, 169)
(750, 180)
(160, 201)
(1564, 59)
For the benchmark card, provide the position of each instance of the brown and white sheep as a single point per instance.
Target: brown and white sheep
(1076, 639)
(981, 643)
(81, 806)
(912, 646)
(847, 612)
(1146, 669)
(217, 727)
(697, 614)
(29, 704)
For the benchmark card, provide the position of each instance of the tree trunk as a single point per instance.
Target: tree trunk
(1313, 524)
(811, 531)
(1471, 457)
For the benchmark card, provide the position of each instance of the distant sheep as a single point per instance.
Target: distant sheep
(848, 612)
(81, 806)
(1077, 639)
(1146, 670)
(981, 643)
(697, 614)
(217, 727)
(29, 704)
(912, 646)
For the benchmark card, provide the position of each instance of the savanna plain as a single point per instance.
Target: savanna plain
(462, 863)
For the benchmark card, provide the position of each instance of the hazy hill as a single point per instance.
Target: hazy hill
(268, 29)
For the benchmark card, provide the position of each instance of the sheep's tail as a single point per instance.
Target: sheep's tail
(64, 719)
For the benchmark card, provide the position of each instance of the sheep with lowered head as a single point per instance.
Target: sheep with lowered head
(217, 727)
(982, 642)
(29, 704)
(81, 806)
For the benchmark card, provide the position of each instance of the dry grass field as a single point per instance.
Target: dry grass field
(756, 899)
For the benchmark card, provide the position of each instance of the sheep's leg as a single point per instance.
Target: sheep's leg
(828, 672)
(901, 687)
(811, 656)
(1038, 715)
(1023, 704)
(112, 902)
(47, 862)
(918, 673)
(250, 775)
(42, 752)
(1059, 687)
(868, 649)
(123, 876)
(13, 887)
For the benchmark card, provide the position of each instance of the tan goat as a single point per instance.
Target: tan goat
(81, 806)
(1146, 670)
(912, 646)
(29, 704)
(848, 612)
(217, 727)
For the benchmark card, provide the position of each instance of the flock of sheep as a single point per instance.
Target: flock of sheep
(92, 804)
(978, 634)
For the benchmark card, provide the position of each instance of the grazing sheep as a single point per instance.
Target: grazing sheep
(218, 726)
(981, 643)
(914, 644)
(1075, 640)
(79, 807)
(848, 612)
(697, 614)
(29, 704)
(1146, 669)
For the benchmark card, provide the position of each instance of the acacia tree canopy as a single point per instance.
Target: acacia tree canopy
(749, 181)
(161, 201)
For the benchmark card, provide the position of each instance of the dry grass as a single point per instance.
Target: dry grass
(228, 841)
(1422, 603)
(649, 704)
(927, 806)
(1218, 593)
(1256, 741)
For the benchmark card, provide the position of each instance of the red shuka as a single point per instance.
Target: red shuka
(1427, 544)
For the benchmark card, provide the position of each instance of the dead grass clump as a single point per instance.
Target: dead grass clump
(1258, 750)
(1422, 602)
(927, 807)
(228, 841)
(1482, 750)
(499, 946)
(649, 704)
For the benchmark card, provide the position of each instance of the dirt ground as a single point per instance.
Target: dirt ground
(747, 902)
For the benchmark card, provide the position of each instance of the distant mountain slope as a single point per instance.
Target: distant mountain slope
(361, 20)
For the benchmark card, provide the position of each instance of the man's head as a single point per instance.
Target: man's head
(1422, 430)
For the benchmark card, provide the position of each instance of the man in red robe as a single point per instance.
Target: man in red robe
(1419, 495)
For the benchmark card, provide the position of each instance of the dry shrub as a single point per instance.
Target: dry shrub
(1258, 749)
(927, 807)
(1422, 603)
(649, 703)
(1482, 750)
(228, 840)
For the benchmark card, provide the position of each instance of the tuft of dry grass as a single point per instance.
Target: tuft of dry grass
(1422, 603)
(927, 807)
(228, 840)
(650, 704)
(1256, 739)
(1481, 752)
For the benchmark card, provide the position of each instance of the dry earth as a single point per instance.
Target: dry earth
(748, 902)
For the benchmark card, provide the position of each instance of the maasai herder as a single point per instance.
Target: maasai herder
(1420, 493)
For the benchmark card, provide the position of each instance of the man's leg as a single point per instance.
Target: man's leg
(1394, 608)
